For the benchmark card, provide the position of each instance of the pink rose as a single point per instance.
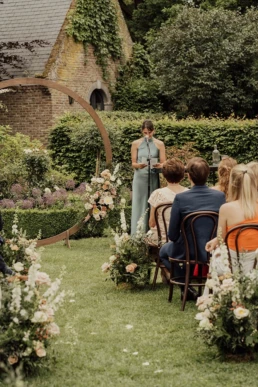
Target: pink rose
(40, 349)
(42, 278)
(131, 268)
(12, 359)
(53, 329)
(105, 267)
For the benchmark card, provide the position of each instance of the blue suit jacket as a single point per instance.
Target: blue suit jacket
(198, 198)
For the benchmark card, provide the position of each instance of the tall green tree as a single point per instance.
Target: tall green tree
(207, 62)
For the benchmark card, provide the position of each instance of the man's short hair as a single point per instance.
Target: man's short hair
(198, 170)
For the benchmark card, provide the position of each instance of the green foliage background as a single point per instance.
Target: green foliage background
(75, 139)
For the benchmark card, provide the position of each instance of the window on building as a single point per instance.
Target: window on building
(97, 99)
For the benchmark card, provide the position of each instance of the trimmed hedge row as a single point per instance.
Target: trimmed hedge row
(53, 222)
(75, 140)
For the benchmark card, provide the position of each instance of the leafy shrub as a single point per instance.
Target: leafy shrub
(75, 140)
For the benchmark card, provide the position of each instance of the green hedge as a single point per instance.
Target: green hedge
(75, 139)
(53, 222)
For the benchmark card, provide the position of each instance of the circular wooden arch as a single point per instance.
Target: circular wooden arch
(86, 106)
(54, 85)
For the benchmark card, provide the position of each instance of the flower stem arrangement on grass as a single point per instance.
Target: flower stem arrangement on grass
(130, 261)
(229, 316)
(28, 302)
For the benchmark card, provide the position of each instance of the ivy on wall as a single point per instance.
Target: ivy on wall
(95, 22)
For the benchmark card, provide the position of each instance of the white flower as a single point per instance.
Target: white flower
(18, 266)
(128, 326)
(27, 151)
(146, 363)
(123, 201)
(205, 324)
(108, 200)
(15, 319)
(87, 206)
(210, 283)
(24, 313)
(88, 188)
(119, 182)
(112, 258)
(227, 284)
(47, 190)
(241, 313)
(105, 267)
(27, 351)
(56, 188)
(39, 317)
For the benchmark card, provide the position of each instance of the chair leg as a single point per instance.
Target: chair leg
(155, 277)
(171, 285)
(170, 295)
(187, 276)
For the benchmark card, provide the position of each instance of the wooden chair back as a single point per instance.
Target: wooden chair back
(239, 230)
(194, 239)
(159, 214)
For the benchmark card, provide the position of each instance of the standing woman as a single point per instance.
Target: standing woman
(140, 151)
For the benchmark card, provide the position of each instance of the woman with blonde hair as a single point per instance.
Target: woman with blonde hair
(254, 166)
(224, 169)
(241, 209)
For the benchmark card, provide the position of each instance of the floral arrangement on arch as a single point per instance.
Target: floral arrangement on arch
(228, 317)
(130, 261)
(28, 302)
(101, 193)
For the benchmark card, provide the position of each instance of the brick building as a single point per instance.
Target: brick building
(32, 110)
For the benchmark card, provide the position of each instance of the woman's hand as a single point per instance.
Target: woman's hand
(211, 245)
(158, 165)
(141, 165)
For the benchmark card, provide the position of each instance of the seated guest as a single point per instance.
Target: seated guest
(254, 166)
(224, 169)
(173, 170)
(198, 198)
(242, 208)
(4, 268)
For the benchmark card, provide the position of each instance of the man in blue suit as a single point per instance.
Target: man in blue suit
(198, 198)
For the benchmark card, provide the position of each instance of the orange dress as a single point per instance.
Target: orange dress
(248, 240)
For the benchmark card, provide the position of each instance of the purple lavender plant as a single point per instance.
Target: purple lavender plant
(70, 184)
(26, 204)
(36, 192)
(17, 190)
(81, 189)
(7, 203)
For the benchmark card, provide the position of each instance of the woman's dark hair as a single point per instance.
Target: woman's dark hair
(173, 170)
(147, 124)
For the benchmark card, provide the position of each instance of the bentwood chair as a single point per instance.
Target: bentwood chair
(197, 229)
(238, 230)
(159, 214)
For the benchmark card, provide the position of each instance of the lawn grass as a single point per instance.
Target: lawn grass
(96, 349)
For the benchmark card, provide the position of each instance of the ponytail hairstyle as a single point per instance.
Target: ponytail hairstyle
(224, 169)
(243, 187)
(254, 166)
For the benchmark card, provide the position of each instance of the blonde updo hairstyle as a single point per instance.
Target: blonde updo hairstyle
(224, 169)
(243, 187)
